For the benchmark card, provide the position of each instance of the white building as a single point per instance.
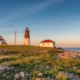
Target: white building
(47, 43)
(2, 41)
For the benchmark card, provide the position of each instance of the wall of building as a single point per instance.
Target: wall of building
(26, 41)
(47, 44)
(2, 42)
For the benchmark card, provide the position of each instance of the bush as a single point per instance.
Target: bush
(77, 71)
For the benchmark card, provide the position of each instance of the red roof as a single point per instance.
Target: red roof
(0, 39)
(4, 43)
(47, 40)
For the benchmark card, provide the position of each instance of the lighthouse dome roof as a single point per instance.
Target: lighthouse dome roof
(27, 28)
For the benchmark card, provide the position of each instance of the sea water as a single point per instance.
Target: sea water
(72, 49)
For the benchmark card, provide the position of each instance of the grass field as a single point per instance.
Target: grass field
(24, 48)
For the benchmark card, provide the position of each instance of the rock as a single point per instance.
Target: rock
(12, 68)
(23, 78)
(0, 68)
(1, 72)
(48, 78)
(75, 78)
(68, 54)
(70, 76)
(8, 77)
(52, 79)
(22, 74)
(27, 75)
(4, 75)
(47, 67)
(38, 79)
(6, 63)
(7, 68)
(15, 70)
(16, 76)
(40, 74)
(3, 69)
(74, 68)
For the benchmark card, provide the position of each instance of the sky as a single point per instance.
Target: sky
(58, 20)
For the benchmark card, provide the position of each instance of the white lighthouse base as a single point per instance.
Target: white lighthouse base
(26, 41)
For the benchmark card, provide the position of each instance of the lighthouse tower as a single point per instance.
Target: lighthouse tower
(26, 37)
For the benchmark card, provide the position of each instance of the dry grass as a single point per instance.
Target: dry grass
(24, 48)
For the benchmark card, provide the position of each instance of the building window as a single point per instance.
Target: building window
(43, 44)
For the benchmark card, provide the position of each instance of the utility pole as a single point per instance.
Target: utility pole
(15, 37)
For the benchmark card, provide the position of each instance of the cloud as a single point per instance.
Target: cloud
(42, 5)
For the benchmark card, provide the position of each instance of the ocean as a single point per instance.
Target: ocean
(72, 49)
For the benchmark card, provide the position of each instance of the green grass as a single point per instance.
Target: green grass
(24, 48)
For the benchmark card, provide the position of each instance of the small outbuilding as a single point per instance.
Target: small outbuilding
(47, 43)
(2, 41)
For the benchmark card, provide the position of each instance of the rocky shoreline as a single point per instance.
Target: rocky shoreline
(69, 54)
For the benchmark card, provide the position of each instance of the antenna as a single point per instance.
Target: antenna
(15, 37)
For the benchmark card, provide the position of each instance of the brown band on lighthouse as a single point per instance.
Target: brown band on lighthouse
(26, 34)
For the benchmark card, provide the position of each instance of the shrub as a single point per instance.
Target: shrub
(77, 71)
(15, 63)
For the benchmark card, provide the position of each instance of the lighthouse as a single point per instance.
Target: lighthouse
(26, 37)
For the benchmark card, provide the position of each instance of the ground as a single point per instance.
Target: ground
(36, 63)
